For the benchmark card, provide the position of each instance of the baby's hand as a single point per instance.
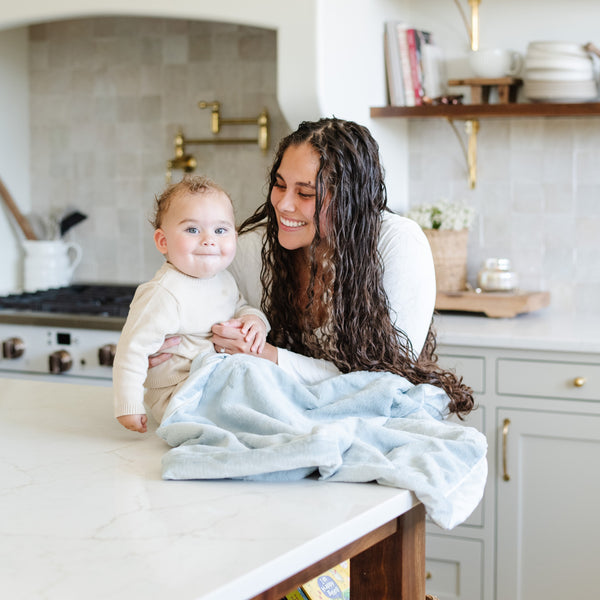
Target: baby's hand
(134, 422)
(254, 331)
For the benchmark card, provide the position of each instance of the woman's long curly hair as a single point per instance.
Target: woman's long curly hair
(345, 300)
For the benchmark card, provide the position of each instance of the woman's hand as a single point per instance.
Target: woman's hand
(232, 337)
(134, 422)
(161, 356)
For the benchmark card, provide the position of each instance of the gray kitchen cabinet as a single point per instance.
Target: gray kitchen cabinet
(458, 565)
(548, 534)
(454, 567)
(536, 533)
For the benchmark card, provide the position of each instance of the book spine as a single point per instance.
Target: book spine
(409, 93)
(393, 65)
(415, 68)
(388, 69)
(432, 66)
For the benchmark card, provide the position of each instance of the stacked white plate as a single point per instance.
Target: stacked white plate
(559, 72)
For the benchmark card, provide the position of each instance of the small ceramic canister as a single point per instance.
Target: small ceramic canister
(496, 276)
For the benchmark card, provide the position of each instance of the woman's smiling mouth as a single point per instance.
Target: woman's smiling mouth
(289, 223)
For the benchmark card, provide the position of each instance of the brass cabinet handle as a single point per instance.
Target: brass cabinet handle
(505, 425)
(579, 381)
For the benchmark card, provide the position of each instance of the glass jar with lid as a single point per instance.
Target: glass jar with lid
(496, 275)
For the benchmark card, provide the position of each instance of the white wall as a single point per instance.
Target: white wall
(14, 148)
(351, 79)
(507, 24)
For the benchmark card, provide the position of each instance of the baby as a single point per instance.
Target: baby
(195, 230)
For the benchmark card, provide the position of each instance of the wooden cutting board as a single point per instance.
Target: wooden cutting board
(492, 304)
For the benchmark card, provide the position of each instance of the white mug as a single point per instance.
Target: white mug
(493, 63)
(49, 263)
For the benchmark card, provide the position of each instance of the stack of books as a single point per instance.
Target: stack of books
(415, 65)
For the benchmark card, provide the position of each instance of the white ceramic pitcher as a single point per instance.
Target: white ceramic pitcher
(49, 263)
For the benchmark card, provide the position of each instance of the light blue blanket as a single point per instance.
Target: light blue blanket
(244, 417)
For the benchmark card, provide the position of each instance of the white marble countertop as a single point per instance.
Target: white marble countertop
(540, 330)
(85, 514)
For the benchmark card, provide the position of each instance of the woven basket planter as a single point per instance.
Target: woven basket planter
(449, 249)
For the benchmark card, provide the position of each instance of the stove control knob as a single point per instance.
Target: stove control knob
(60, 361)
(106, 355)
(13, 347)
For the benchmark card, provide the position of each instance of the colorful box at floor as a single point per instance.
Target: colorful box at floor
(331, 585)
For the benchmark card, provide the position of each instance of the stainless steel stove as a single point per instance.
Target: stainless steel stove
(68, 332)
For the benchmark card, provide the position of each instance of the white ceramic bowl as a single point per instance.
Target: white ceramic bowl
(558, 75)
(561, 91)
(572, 63)
(558, 47)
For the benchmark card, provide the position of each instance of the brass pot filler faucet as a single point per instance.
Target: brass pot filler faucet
(188, 163)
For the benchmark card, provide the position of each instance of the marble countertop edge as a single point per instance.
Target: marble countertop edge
(541, 330)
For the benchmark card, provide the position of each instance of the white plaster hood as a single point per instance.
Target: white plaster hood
(330, 54)
(329, 51)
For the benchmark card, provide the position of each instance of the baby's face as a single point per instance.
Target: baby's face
(198, 233)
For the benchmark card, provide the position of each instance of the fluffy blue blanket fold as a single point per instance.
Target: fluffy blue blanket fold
(243, 417)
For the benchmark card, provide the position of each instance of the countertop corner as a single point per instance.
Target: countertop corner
(540, 330)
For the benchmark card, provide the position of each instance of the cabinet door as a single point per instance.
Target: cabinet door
(454, 568)
(548, 512)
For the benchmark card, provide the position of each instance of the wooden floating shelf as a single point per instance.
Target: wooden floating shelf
(477, 111)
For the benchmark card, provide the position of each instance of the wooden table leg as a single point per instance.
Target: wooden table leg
(393, 569)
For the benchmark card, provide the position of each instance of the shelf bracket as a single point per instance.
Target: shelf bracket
(474, 24)
(472, 129)
(472, 27)
(470, 150)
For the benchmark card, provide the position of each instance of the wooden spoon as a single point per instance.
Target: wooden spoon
(14, 209)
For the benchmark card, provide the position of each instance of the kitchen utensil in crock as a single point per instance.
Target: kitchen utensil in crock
(22, 221)
(70, 220)
(39, 225)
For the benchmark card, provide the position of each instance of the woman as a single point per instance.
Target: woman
(346, 284)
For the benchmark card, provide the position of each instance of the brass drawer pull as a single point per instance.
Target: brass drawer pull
(579, 381)
(505, 425)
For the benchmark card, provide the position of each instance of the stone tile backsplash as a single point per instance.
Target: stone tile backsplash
(108, 96)
(537, 199)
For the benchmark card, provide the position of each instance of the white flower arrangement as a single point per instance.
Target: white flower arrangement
(443, 215)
